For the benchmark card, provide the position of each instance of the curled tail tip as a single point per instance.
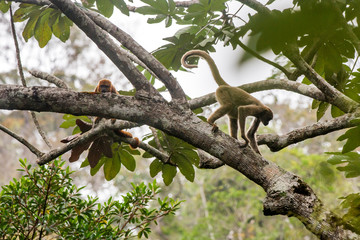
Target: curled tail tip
(184, 63)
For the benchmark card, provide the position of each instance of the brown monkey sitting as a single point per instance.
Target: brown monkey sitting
(105, 86)
(235, 102)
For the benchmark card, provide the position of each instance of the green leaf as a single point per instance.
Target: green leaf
(42, 31)
(4, 7)
(146, 10)
(333, 58)
(28, 31)
(336, 112)
(112, 167)
(121, 5)
(127, 160)
(155, 167)
(321, 110)
(70, 120)
(352, 136)
(105, 7)
(185, 166)
(94, 170)
(168, 173)
(61, 29)
(350, 163)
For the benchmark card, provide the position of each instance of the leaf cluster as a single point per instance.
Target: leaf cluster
(42, 23)
(181, 155)
(102, 150)
(44, 202)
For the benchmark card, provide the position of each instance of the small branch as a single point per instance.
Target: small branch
(276, 142)
(208, 161)
(50, 78)
(21, 73)
(255, 54)
(32, 148)
(86, 137)
(156, 139)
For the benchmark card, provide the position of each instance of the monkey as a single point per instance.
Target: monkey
(105, 86)
(235, 102)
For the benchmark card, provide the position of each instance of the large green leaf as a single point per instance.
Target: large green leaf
(127, 160)
(121, 5)
(185, 166)
(155, 167)
(4, 6)
(105, 7)
(42, 23)
(352, 136)
(42, 31)
(112, 167)
(350, 163)
(168, 173)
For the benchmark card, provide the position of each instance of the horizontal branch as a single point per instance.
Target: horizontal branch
(276, 142)
(296, 87)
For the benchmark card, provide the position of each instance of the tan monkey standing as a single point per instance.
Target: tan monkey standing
(235, 102)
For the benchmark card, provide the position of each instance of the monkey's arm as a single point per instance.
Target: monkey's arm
(221, 111)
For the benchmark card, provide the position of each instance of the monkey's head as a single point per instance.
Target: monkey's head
(266, 117)
(104, 86)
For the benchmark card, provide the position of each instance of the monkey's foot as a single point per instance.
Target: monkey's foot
(214, 127)
(243, 145)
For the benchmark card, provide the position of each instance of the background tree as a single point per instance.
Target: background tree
(320, 39)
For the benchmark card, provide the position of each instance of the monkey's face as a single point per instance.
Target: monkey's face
(104, 88)
(266, 117)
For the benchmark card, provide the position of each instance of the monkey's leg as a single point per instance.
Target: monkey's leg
(221, 111)
(233, 127)
(251, 134)
(242, 114)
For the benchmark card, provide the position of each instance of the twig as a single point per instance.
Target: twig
(21, 72)
(255, 54)
(22, 140)
(50, 78)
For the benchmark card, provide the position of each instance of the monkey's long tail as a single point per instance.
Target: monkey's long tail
(214, 70)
